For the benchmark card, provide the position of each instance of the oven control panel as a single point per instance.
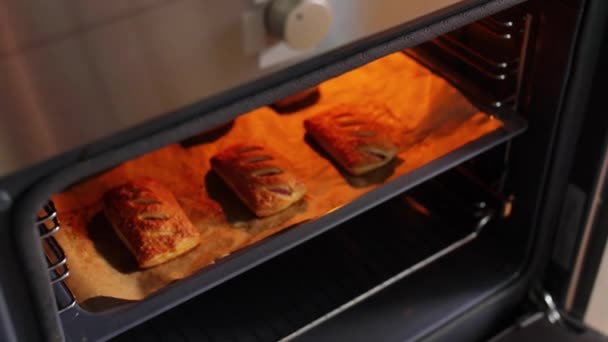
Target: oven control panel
(277, 31)
(301, 24)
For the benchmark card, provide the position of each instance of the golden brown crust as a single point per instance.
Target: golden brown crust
(358, 142)
(149, 220)
(259, 176)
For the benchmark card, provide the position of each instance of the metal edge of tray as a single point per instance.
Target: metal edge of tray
(82, 323)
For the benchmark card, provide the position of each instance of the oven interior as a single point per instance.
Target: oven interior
(318, 280)
(454, 207)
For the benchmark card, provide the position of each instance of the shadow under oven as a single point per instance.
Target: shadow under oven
(454, 222)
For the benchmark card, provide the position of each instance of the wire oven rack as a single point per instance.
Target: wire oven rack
(57, 262)
(484, 60)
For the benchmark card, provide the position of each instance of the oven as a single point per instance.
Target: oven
(488, 211)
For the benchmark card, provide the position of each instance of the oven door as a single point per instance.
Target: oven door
(572, 296)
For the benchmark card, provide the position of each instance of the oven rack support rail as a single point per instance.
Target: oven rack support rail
(57, 262)
(499, 71)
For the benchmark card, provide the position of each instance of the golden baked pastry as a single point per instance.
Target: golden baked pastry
(259, 176)
(358, 142)
(150, 222)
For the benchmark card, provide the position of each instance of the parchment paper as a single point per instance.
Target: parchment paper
(430, 119)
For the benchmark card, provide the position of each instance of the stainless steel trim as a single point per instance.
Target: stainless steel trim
(72, 72)
(596, 201)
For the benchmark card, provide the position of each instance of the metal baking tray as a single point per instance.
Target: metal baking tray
(80, 323)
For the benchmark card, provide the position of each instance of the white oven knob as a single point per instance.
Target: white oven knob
(302, 24)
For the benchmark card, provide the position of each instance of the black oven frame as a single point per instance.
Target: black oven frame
(552, 119)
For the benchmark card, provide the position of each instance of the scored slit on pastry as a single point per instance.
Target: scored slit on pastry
(153, 216)
(144, 201)
(358, 142)
(259, 176)
(245, 149)
(268, 171)
(257, 159)
(340, 116)
(281, 191)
